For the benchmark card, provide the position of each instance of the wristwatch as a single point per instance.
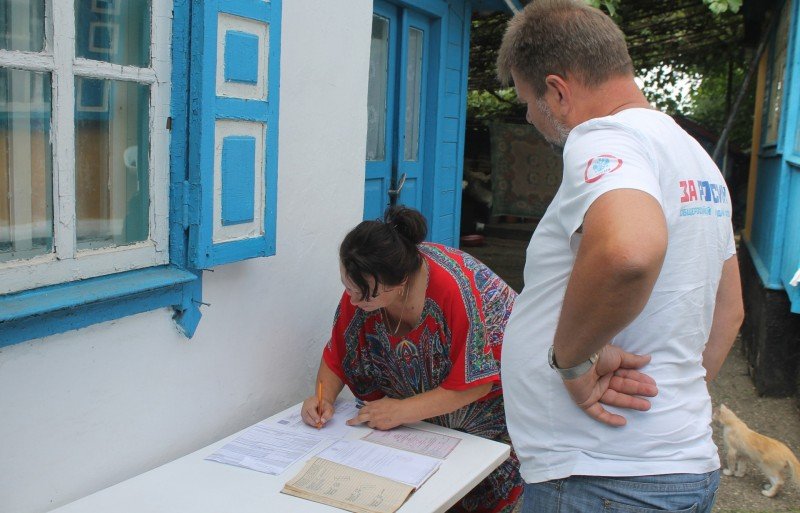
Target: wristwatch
(572, 372)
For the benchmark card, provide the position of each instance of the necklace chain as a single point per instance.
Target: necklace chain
(400, 319)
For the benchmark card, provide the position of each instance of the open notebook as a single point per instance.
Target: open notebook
(371, 476)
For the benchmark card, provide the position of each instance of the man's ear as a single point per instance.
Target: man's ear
(559, 94)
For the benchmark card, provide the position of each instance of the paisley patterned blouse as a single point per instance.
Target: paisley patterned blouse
(456, 345)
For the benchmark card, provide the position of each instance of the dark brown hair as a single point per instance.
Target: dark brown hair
(384, 250)
(562, 37)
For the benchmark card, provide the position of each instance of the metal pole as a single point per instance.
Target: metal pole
(510, 4)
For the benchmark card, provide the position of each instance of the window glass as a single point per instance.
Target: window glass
(376, 94)
(776, 82)
(116, 31)
(111, 162)
(26, 208)
(22, 25)
(413, 94)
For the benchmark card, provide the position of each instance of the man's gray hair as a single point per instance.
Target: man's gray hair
(562, 37)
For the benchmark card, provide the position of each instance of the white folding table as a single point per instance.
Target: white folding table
(192, 484)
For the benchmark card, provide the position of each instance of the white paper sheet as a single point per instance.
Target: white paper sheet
(267, 449)
(419, 441)
(334, 428)
(271, 446)
(401, 466)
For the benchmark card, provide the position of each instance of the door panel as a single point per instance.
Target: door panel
(417, 106)
(412, 98)
(380, 109)
(396, 99)
(375, 194)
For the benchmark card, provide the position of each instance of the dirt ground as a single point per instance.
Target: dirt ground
(777, 418)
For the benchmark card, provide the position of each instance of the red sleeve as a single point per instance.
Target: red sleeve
(335, 348)
(473, 361)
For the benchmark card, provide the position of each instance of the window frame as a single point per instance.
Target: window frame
(177, 285)
(66, 263)
(50, 310)
(772, 146)
(792, 126)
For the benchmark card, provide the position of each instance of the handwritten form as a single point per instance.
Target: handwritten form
(334, 428)
(266, 449)
(415, 440)
(347, 488)
(402, 466)
(271, 446)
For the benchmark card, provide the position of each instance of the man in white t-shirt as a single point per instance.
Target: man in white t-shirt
(630, 275)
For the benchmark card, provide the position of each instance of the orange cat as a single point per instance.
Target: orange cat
(771, 456)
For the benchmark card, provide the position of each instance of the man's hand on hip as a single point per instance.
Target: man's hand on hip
(614, 381)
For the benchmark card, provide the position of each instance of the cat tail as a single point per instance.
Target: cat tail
(795, 466)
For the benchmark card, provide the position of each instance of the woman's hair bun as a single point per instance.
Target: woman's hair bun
(409, 223)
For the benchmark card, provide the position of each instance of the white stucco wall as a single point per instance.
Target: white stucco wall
(86, 409)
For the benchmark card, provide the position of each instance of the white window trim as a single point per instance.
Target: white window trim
(68, 264)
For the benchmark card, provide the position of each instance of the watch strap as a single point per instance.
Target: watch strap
(571, 372)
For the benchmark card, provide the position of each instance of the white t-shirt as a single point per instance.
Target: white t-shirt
(635, 149)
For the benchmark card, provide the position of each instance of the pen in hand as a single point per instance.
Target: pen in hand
(319, 403)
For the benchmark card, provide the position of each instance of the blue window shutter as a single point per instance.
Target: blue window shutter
(233, 130)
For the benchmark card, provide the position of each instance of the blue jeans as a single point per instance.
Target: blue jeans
(678, 493)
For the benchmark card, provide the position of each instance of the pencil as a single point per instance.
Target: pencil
(319, 404)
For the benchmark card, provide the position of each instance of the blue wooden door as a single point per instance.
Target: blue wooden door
(397, 97)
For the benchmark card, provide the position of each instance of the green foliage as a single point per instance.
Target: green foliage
(486, 36)
(716, 6)
(720, 6)
(610, 5)
(486, 106)
(668, 87)
(680, 72)
(701, 94)
(709, 105)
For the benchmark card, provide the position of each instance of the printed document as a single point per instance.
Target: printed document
(334, 428)
(402, 466)
(347, 488)
(415, 440)
(272, 445)
(267, 449)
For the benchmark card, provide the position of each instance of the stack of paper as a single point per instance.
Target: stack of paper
(266, 449)
(271, 446)
(401, 466)
(373, 475)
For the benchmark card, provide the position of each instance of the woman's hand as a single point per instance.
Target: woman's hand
(382, 414)
(314, 416)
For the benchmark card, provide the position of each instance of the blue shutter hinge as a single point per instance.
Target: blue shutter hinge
(191, 204)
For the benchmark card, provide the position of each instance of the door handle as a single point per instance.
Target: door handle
(394, 193)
